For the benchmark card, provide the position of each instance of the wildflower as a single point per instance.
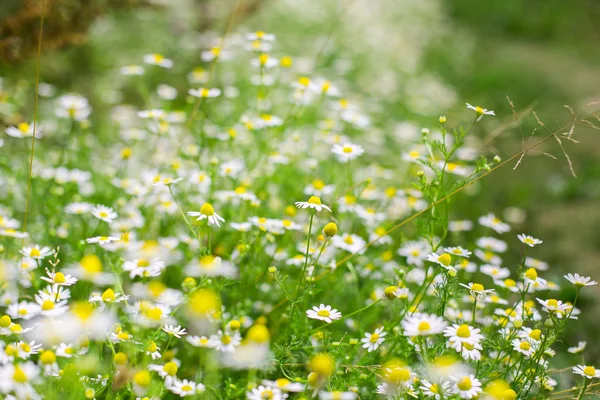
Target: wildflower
(579, 280)
(587, 371)
(491, 221)
(577, 349)
(466, 386)
(372, 341)
(207, 212)
(104, 213)
(36, 252)
(22, 130)
(330, 230)
(225, 342)
(346, 152)
(524, 347)
(460, 334)
(158, 59)
(349, 242)
(434, 390)
(324, 313)
(480, 111)
(265, 392)
(73, 106)
(204, 92)
(102, 239)
(314, 203)
(458, 251)
(477, 290)
(185, 388)
(284, 385)
(176, 331)
(58, 278)
(132, 70)
(529, 240)
(554, 306)
(443, 259)
(337, 395)
(423, 325)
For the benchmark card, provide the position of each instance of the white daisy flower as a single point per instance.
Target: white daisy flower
(372, 341)
(496, 224)
(421, 324)
(58, 278)
(185, 388)
(102, 239)
(104, 213)
(158, 59)
(207, 212)
(529, 240)
(579, 280)
(458, 251)
(466, 386)
(324, 313)
(524, 346)
(204, 92)
(346, 152)
(480, 111)
(587, 371)
(176, 331)
(314, 203)
(225, 342)
(36, 252)
(577, 349)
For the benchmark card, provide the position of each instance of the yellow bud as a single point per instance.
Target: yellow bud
(322, 364)
(330, 230)
(235, 325)
(142, 378)
(120, 358)
(5, 321)
(390, 292)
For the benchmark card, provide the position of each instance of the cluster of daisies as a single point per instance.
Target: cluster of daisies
(236, 238)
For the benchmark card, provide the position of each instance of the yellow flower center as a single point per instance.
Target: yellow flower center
(347, 149)
(531, 274)
(108, 296)
(35, 252)
(318, 184)
(589, 371)
(91, 264)
(477, 287)
(143, 263)
(314, 200)
(445, 259)
(463, 331)
(348, 240)
(525, 346)
(23, 127)
(170, 368)
(374, 337)
(535, 334)
(226, 339)
(552, 303)
(47, 305)
(207, 209)
(19, 375)
(465, 384)
(323, 313)
(479, 110)
(424, 326)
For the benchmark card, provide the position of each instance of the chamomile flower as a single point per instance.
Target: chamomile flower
(477, 290)
(266, 392)
(460, 334)
(104, 213)
(204, 92)
(207, 212)
(185, 388)
(59, 279)
(285, 385)
(434, 390)
(587, 371)
(577, 349)
(225, 342)
(444, 259)
(199, 341)
(372, 341)
(349, 242)
(176, 331)
(324, 313)
(337, 395)
(22, 130)
(524, 346)
(346, 152)
(422, 324)
(480, 111)
(158, 59)
(553, 306)
(579, 280)
(134, 70)
(458, 251)
(466, 386)
(102, 239)
(496, 224)
(314, 203)
(529, 240)
(36, 252)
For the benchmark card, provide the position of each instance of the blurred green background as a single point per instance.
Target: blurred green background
(418, 58)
